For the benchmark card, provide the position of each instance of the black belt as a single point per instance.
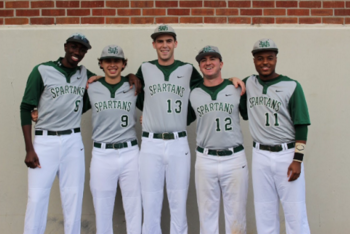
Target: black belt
(274, 148)
(165, 135)
(116, 145)
(57, 133)
(224, 152)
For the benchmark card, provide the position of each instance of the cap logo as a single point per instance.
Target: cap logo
(208, 49)
(163, 28)
(264, 44)
(113, 50)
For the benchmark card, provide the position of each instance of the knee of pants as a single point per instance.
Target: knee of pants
(38, 195)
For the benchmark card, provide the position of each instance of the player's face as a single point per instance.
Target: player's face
(265, 64)
(165, 45)
(210, 66)
(112, 67)
(75, 52)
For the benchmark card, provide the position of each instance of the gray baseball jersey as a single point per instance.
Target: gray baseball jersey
(57, 94)
(113, 111)
(273, 108)
(166, 95)
(217, 112)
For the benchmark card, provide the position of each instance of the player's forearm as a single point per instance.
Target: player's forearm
(27, 133)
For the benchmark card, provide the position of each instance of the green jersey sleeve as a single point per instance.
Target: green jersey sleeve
(141, 96)
(89, 73)
(191, 115)
(86, 102)
(243, 104)
(196, 78)
(31, 97)
(298, 108)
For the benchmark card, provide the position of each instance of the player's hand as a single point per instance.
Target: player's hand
(92, 79)
(294, 171)
(133, 80)
(141, 119)
(32, 160)
(34, 114)
(237, 82)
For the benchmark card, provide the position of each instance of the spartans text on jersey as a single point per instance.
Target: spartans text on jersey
(171, 88)
(214, 106)
(112, 104)
(266, 101)
(67, 89)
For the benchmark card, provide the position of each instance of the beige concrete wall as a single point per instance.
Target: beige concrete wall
(317, 56)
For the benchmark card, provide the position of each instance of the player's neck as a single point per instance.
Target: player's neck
(269, 77)
(113, 80)
(66, 64)
(213, 82)
(166, 62)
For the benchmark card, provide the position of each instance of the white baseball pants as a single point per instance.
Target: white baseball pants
(227, 175)
(169, 159)
(270, 184)
(62, 156)
(108, 166)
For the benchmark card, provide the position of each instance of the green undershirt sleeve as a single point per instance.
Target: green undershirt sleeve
(301, 132)
(31, 97)
(89, 73)
(86, 102)
(196, 78)
(243, 104)
(140, 96)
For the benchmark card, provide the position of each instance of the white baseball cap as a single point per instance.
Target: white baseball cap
(163, 29)
(208, 50)
(264, 44)
(112, 51)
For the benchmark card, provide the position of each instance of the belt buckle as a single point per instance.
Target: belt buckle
(57, 133)
(218, 152)
(117, 145)
(164, 136)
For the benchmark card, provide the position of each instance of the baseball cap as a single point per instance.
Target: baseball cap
(264, 45)
(112, 51)
(163, 29)
(208, 50)
(80, 38)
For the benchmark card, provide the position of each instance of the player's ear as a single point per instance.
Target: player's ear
(154, 44)
(175, 44)
(221, 64)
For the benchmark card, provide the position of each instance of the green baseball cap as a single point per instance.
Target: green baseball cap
(264, 45)
(112, 51)
(80, 38)
(208, 50)
(163, 29)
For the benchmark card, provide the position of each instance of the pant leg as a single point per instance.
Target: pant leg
(292, 195)
(104, 173)
(233, 178)
(208, 192)
(152, 172)
(72, 175)
(178, 158)
(266, 199)
(40, 182)
(129, 182)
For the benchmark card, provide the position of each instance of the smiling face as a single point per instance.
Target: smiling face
(265, 64)
(210, 66)
(112, 67)
(75, 52)
(165, 45)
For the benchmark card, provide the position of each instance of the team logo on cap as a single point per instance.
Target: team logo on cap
(112, 50)
(207, 49)
(264, 44)
(163, 28)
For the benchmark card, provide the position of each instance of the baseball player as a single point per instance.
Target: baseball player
(278, 121)
(221, 165)
(115, 153)
(165, 153)
(57, 89)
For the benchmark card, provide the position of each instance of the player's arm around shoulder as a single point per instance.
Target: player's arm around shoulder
(243, 105)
